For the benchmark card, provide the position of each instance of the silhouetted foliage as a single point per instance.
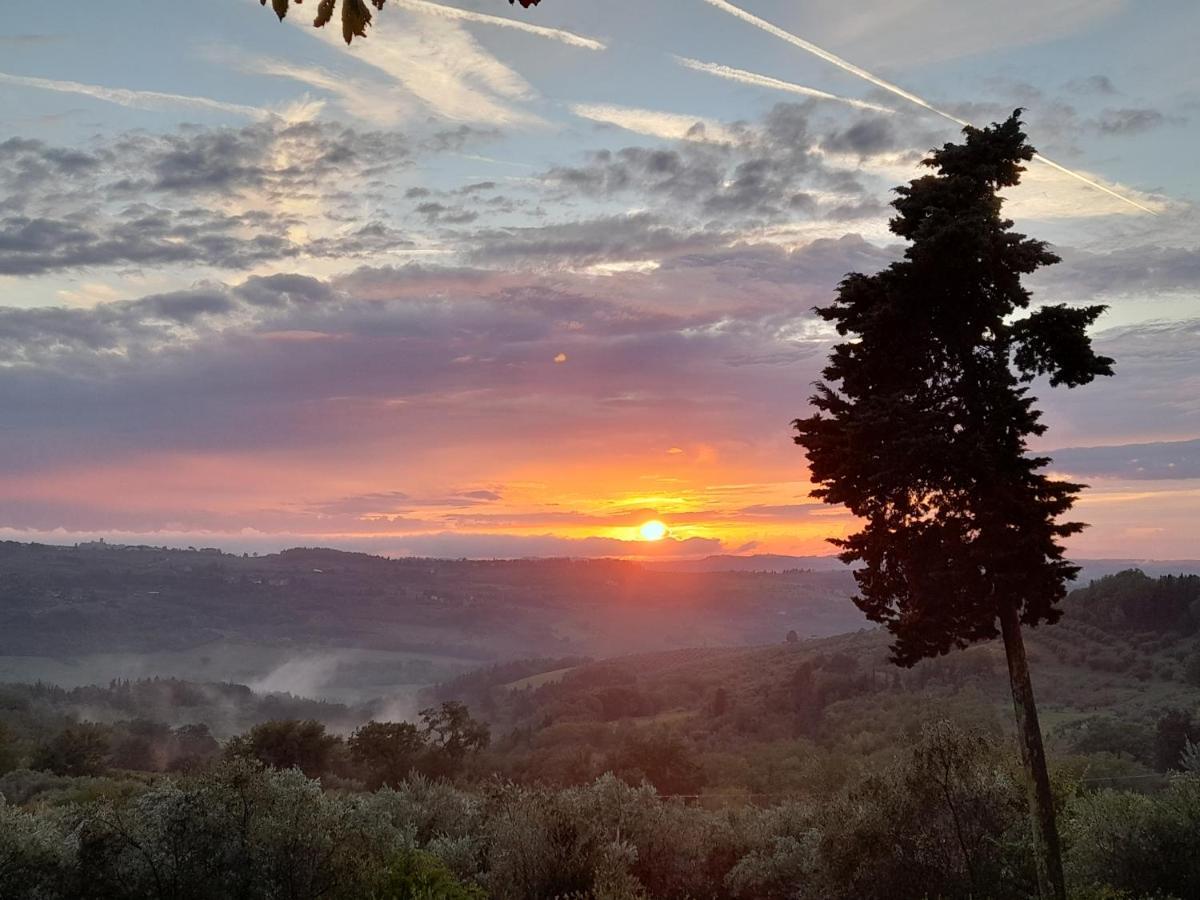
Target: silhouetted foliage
(1134, 601)
(662, 759)
(923, 421)
(356, 14)
(1174, 732)
(76, 750)
(452, 734)
(290, 744)
(386, 752)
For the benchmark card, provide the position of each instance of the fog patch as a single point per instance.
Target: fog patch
(306, 677)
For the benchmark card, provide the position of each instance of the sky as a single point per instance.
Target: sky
(506, 282)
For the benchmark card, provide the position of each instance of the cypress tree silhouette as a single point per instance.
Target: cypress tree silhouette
(356, 15)
(922, 424)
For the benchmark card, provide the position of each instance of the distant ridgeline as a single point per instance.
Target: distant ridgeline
(67, 602)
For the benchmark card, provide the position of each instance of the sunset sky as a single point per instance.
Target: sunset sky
(505, 282)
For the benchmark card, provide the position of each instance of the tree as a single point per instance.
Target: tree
(289, 744)
(659, 757)
(452, 734)
(939, 821)
(921, 429)
(9, 759)
(1191, 669)
(76, 750)
(1172, 735)
(356, 15)
(386, 751)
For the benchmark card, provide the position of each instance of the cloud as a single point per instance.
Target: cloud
(318, 360)
(155, 100)
(1128, 120)
(229, 198)
(669, 126)
(211, 410)
(439, 214)
(429, 67)
(590, 242)
(141, 236)
(773, 172)
(1155, 393)
(1168, 460)
(1138, 270)
(463, 15)
(858, 71)
(1092, 84)
(864, 138)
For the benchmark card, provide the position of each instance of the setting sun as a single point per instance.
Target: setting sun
(653, 530)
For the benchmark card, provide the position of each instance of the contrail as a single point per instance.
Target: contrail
(764, 81)
(134, 99)
(848, 66)
(463, 15)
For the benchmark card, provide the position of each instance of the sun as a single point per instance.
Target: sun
(653, 530)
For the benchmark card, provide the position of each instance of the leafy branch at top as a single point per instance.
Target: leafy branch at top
(356, 14)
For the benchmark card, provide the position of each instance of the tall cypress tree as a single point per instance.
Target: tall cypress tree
(921, 430)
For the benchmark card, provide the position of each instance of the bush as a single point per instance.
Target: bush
(1129, 842)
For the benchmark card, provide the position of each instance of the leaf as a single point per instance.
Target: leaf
(356, 16)
(355, 19)
(324, 13)
(279, 6)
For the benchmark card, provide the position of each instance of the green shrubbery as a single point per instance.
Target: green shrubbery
(945, 819)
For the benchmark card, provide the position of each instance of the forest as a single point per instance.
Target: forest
(804, 768)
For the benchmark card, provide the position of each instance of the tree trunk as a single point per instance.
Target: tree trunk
(1047, 853)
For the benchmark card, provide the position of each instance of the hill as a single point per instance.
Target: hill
(787, 716)
(350, 625)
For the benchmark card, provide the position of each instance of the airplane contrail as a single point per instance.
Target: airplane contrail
(132, 98)
(463, 15)
(862, 73)
(765, 81)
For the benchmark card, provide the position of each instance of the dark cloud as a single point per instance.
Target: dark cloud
(219, 159)
(867, 137)
(439, 214)
(483, 496)
(139, 237)
(1129, 120)
(1138, 269)
(636, 236)
(1162, 460)
(1092, 84)
(200, 196)
(376, 503)
(785, 511)
(477, 187)
(25, 163)
(767, 175)
(291, 361)
(1156, 388)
